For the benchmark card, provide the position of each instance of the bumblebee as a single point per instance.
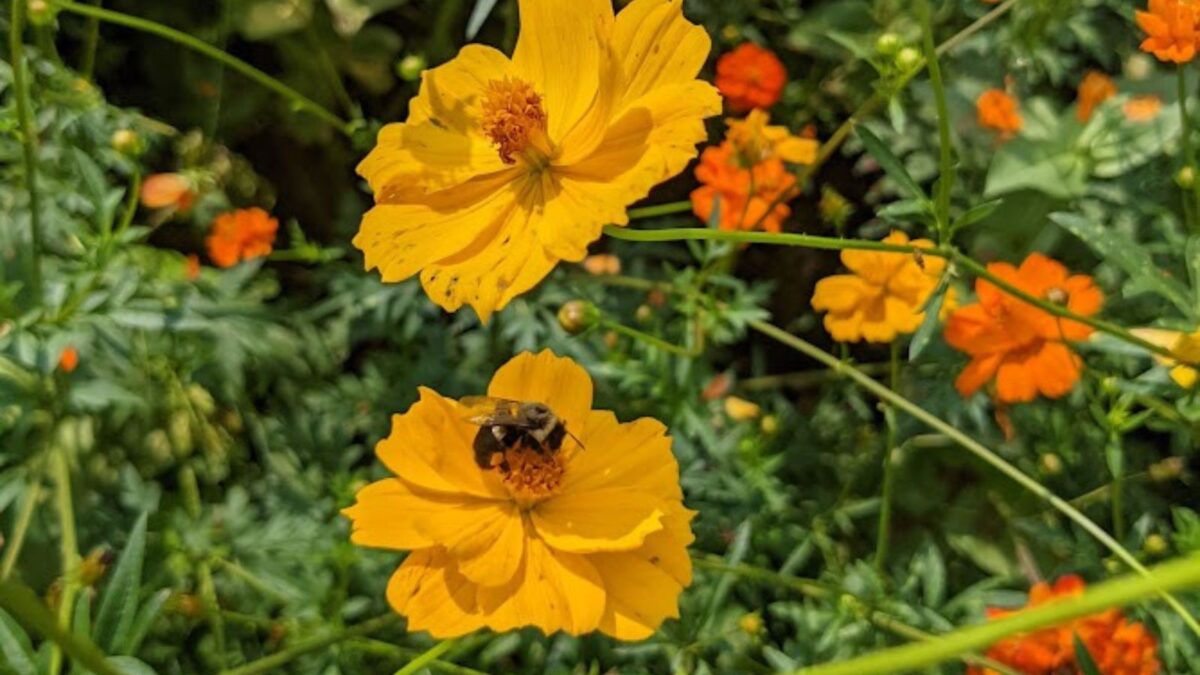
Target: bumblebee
(508, 425)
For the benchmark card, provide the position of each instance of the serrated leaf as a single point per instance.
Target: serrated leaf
(1120, 250)
(1023, 164)
(890, 163)
(482, 10)
(1083, 658)
(15, 647)
(929, 325)
(119, 603)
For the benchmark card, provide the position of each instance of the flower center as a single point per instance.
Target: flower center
(531, 476)
(1057, 295)
(514, 120)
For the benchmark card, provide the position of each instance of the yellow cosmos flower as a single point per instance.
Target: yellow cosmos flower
(883, 296)
(587, 538)
(755, 141)
(506, 166)
(1184, 345)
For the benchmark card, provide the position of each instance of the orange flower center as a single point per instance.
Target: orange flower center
(531, 475)
(514, 120)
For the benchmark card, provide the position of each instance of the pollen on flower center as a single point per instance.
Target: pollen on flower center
(531, 475)
(513, 118)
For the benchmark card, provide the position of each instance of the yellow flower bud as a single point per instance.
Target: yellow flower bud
(577, 316)
(741, 410)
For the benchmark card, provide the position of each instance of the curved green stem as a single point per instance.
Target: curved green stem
(945, 167)
(301, 101)
(12, 548)
(427, 658)
(1176, 575)
(60, 471)
(974, 447)
(660, 210)
(651, 340)
(28, 143)
(891, 458)
(272, 663)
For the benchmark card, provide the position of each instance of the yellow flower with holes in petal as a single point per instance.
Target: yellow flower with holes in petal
(1184, 345)
(884, 295)
(591, 537)
(506, 166)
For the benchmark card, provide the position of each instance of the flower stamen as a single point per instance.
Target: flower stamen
(515, 121)
(531, 476)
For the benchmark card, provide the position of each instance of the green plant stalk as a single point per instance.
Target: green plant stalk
(1117, 498)
(272, 663)
(27, 608)
(1176, 575)
(68, 546)
(945, 166)
(12, 548)
(382, 648)
(91, 40)
(300, 101)
(891, 457)
(208, 590)
(974, 447)
(427, 658)
(29, 142)
(1185, 135)
(660, 210)
(649, 339)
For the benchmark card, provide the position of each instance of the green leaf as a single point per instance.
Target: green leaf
(15, 647)
(483, 9)
(1083, 658)
(890, 163)
(1116, 248)
(929, 325)
(127, 665)
(976, 213)
(1191, 254)
(119, 604)
(1025, 164)
(145, 619)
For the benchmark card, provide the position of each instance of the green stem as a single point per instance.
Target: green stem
(976, 448)
(190, 490)
(427, 658)
(25, 606)
(29, 142)
(945, 166)
(16, 542)
(891, 458)
(1185, 135)
(272, 663)
(390, 650)
(649, 339)
(300, 101)
(660, 210)
(1117, 499)
(68, 547)
(91, 39)
(1176, 575)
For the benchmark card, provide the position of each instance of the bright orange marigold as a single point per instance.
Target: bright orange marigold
(997, 110)
(591, 537)
(1118, 646)
(1095, 88)
(241, 235)
(882, 297)
(68, 360)
(1022, 347)
(1171, 29)
(167, 190)
(750, 77)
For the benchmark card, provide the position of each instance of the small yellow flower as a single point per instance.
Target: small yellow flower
(506, 166)
(1184, 345)
(883, 296)
(741, 410)
(583, 539)
(757, 141)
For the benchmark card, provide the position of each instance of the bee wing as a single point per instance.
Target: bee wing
(492, 411)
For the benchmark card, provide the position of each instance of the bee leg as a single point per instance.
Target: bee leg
(486, 447)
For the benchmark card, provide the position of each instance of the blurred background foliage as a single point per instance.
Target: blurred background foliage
(215, 425)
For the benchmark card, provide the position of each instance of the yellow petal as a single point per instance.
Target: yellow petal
(487, 543)
(658, 46)
(385, 515)
(433, 596)
(667, 548)
(431, 447)
(553, 591)
(601, 520)
(797, 150)
(845, 327)
(641, 595)
(838, 293)
(634, 456)
(452, 93)
(559, 51)
(589, 132)
(1184, 376)
(557, 381)
(1167, 339)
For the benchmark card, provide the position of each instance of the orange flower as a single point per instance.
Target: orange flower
(241, 235)
(1171, 29)
(1142, 108)
(1019, 345)
(997, 110)
(167, 190)
(750, 77)
(68, 361)
(1117, 645)
(602, 264)
(1095, 88)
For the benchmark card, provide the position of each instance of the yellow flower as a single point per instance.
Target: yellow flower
(587, 538)
(883, 297)
(756, 141)
(741, 410)
(506, 166)
(1184, 345)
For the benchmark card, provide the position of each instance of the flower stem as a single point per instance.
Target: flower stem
(1189, 153)
(1176, 575)
(945, 166)
(660, 210)
(68, 547)
(976, 448)
(25, 606)
(427, 658)
(29, 142)
(300, 101)
(891, 458)
(91, 40)
(272, 663)
(649, 339)
(12, 549)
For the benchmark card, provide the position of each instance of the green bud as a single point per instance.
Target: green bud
(887, 44)
(410, 67)
(908, 58)
(577, 316)
(1185, 178)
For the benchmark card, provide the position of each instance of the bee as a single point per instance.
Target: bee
(505, 425)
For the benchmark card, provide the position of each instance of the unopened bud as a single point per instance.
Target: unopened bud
(1185, 177)
(1155, 545)
(410, 67)
(1052, 464)
(127, 142)
(887, 44)
(577, 316)
(643, 313)
(908, 58)
(740, 410)
(751, 624)
(40, 12)
(769, 425)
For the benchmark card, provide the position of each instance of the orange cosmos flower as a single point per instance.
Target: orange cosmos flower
(1095, 88)
(167, 190)
(750, 77)
(241, 235)
(590, 537)
(507, 166)
(1171, 29)
(1118, 646)
(882, 297)
(68, 361)
(996, 109)
(1022, 347)
(1142, 108)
